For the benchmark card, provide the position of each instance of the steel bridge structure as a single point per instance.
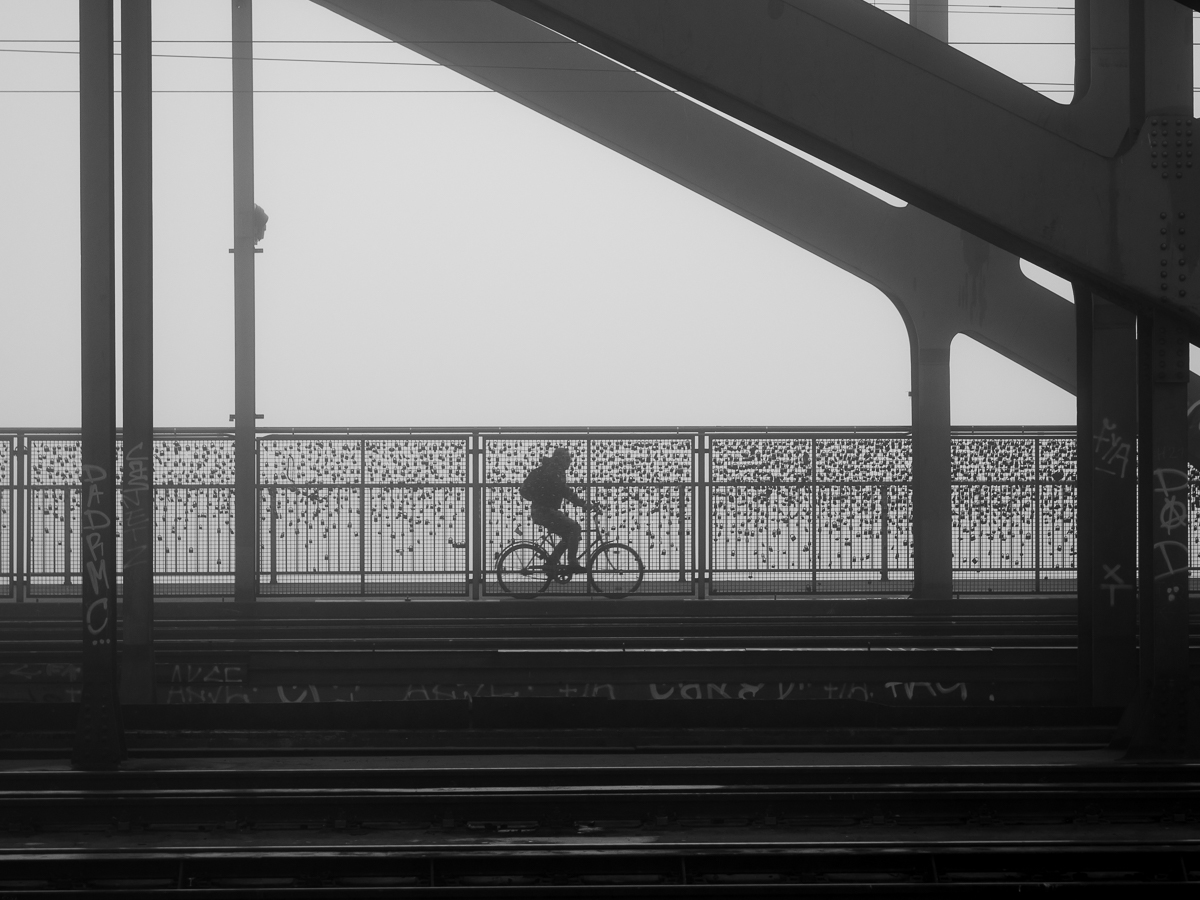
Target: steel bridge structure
(867, 660)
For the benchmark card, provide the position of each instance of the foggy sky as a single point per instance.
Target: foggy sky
(447, 258)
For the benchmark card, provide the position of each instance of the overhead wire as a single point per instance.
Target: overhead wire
(884, 5)
(365, 62)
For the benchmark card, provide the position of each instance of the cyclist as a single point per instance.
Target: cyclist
(546, 488)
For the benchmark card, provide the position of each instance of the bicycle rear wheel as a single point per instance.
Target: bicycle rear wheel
(521, 570)
(615, 570)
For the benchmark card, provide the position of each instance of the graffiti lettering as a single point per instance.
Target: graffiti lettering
(94, 625)
(136, 499)
(224, 693)
(304, 694)
(1112, 452)
(1113, 582)
(208, 672)
(98, 575)
(1172, 494)
(41, 672)
(94, 521)
(1174, 558)
(934, 689)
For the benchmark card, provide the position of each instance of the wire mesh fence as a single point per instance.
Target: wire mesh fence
(363, 515)
(806, 514)
(1013, 501)
(428, 514)
(193, 515)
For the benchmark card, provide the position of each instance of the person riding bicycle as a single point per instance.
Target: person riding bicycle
(546, 488)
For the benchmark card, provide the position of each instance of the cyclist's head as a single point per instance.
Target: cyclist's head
(561, 456)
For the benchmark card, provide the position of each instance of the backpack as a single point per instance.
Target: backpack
(538, 487)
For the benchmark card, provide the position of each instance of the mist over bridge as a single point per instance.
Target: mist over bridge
(862, 561)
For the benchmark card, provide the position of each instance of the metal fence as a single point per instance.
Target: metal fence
(364, 515)
(427, 514)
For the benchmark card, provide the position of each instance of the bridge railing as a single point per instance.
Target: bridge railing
(722, 512)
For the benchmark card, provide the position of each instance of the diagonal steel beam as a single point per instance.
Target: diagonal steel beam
(938, 276)
(943, 280)
(863, 91)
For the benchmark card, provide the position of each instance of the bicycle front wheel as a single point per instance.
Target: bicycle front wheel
(615, 570)
(521, 570)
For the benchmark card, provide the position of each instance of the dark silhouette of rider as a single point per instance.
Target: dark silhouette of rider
(546, 509)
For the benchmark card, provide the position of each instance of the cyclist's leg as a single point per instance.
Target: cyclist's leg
(571, 538)
(548, 519)
(570, 533)
(567, 529)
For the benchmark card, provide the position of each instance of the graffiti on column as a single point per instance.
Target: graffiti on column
(1113, 582)
(1112, 451)
(136, 499)
(1171, 492)
(95, 524)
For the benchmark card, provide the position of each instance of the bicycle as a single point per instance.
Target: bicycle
(614, 570)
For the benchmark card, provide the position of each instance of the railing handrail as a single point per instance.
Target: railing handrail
(900, 431)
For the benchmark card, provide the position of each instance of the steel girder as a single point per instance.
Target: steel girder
(944, 281)
(863, 91)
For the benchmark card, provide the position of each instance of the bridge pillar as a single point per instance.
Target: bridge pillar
(1157, 724)
(933, 553)
(1107, 493)
(98, 740)
(1162, 720)
(137, 348)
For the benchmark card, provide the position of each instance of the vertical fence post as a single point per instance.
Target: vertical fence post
(587, 512)
(682, 534)
(362, 516)
(68, 536)
(474, 491)
(883, 531)
(272, 532)
(812, 479)
(1037, 515)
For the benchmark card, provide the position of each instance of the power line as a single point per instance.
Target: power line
(371, 62)
(259, 41)
(1052, 87)
(356, 91)
(365, 62)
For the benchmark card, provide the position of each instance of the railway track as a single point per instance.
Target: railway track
(660, 824)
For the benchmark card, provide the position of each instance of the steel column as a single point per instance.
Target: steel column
(1107, 416)
(1084, 493)
(904, 113)
(933, 565)
(1159, 719)
(475, 574)
(98, 741)
(246, 468)
(137, 248)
